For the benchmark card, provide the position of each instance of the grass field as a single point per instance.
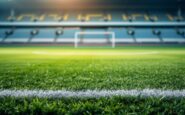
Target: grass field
(57, 68)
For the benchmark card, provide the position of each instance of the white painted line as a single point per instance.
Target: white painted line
(92, 93)
(94, 53)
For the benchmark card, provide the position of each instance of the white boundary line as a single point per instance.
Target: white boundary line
(92, 93)
(94, 53)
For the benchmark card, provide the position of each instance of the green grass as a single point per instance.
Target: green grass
(87, 68)
(21, 68)
(115, 105)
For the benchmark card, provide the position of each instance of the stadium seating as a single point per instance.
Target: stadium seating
(144, 25)
(89, 16)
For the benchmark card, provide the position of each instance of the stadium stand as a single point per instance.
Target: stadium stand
(144, 21)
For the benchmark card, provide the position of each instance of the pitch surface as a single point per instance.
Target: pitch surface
(123, 68)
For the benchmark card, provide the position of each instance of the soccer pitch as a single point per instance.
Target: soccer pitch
(92, 69)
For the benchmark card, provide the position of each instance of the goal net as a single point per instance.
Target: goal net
(94, 38)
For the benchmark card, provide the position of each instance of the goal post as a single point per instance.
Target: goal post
(76, 40)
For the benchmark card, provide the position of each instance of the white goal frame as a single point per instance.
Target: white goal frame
(94, 33)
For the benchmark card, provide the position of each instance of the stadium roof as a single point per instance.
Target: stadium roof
(91, 3)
